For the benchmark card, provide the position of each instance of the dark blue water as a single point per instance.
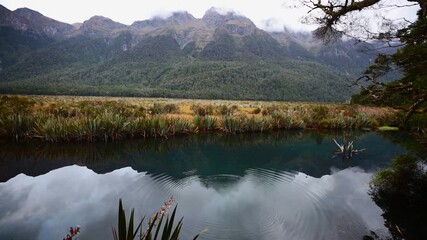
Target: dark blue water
(261, 186)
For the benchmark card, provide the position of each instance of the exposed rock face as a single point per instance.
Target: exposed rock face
(5, 16)
(213, 18)
(28, 20)
(181, 17)
(154, 22)
(101, 26)
(233, 23)
(177, 18)
(189, 32)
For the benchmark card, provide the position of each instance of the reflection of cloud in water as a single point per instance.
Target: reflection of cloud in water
(57, 200)
(348, 189)
(262, 204)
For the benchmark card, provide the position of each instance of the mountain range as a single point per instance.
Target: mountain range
(221, 56)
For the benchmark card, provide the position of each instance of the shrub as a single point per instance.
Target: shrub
(272, 109)
(231, 125)
(223, 110)
(254, 124)
(205, 123)
(264, 112)
(16, 105)
(202, 110)
(170, 108)
(319, 113)
(157, 108)
(256, 110)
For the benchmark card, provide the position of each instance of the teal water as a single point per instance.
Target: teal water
(255, 186)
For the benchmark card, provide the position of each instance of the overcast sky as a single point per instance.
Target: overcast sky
(269, 15)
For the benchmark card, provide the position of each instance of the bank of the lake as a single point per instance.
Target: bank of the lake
(68, 118)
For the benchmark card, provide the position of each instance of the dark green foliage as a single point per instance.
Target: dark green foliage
(283, 121)
(417, 122)
(401, 192)
(219, 62)
(230, 80)
(264, 46)
(300, 52)
(15, 43)
(158, 48)
(222, 48)
(232, 125)
(157, 67)
(409, 92)
(205, 124)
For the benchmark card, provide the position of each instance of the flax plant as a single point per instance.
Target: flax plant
(231, 125)
(92, 119)
(126, 230)
(254, 124)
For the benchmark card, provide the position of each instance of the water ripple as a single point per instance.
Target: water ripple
(262, 204)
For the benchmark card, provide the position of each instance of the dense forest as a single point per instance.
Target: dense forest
(218, 56)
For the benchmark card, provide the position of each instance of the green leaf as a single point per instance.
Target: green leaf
(177, 230)
(122, 221)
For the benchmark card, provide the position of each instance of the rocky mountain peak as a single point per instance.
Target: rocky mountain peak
(175, 18)
(153, 22)
(99, 25)
(24, 19)
(213, 17)
(27, 13)
(4, 15)
(102, 21)
(181, 17)
(230, 21)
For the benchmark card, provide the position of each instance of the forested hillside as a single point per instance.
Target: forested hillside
(217, 56)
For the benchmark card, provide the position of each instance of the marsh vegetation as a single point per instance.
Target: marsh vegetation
(65, 118)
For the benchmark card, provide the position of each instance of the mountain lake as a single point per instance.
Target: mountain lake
(281, 185)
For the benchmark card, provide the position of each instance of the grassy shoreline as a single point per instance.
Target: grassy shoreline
(69, 118)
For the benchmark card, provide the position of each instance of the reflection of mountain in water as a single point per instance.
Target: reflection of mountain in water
(261, 204)
(208, 155)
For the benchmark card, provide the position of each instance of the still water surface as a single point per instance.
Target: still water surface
(261, 186)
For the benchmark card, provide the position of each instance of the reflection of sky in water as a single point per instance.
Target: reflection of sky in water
(262, 204)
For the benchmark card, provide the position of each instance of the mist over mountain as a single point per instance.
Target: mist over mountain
(221, 55)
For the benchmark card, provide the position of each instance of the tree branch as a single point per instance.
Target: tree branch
(413, 107)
